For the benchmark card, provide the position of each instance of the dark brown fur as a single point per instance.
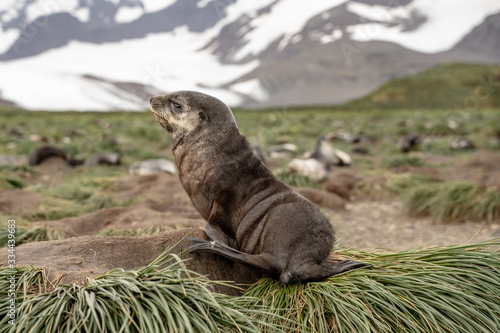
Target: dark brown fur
(42, 153)
(252, 217)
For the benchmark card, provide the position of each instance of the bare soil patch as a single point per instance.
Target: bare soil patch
(163, 188)
(384, 225)
(140, 216)
(15, 201)
(322, 198)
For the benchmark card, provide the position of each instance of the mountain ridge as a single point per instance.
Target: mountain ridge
(259, 54)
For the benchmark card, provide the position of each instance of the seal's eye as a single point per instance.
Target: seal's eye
(177, 106)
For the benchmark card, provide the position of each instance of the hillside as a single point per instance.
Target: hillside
(453, 86)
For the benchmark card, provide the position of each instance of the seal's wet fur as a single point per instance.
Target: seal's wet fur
(252, 217)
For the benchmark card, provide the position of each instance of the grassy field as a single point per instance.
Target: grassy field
(137, 136)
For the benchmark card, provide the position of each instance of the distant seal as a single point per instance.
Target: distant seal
(327, 155)
(103, 159)
(409, 142)
(309, 167)
(318, 163)
(153, 166)
(252, 217)
(462, 144)
(42, 153)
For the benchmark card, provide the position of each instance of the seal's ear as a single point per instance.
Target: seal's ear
(203, 116)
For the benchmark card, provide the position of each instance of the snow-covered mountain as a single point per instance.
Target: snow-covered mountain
(115, 54)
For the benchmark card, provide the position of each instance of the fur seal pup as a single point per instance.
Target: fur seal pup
(409, 142)
(252, 217)
(327, 155)
(153, 166)
(103, 159)
(42, 153)
(318, 163)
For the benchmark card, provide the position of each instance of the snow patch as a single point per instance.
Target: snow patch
(447, 23)
(128, 14)
(82, 14)
(45, 88)
(285, 19)
(295, 39)
(380, 13)
(203, 3)
(9, 13)
(252, 88)
(241, 7)
(152, 6)
(10, 9)
(9, 37)
(55, 83)
(334, 36)
(39, 9)
(10, 4)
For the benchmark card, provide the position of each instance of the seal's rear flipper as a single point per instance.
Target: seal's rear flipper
(346, 265)
(318, 272)
(264, 262)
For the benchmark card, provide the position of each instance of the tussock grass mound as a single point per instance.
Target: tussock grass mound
(444, 202)
(74, 198)
(440, 289)
(54, 208)
(400, 184)
(146, 231)
(161, 297)
(10, 181)
(380, 187)
(454, 201)
(27, 235)
(445, 289)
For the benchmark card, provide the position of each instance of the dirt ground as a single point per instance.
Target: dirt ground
(383, 224)
(375, 225)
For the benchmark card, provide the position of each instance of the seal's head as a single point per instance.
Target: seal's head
(183, 112)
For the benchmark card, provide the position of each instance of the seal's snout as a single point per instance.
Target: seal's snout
(154, 101)
(155, 104)
(160, 113)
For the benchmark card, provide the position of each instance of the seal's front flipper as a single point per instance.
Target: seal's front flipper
(263, 262)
